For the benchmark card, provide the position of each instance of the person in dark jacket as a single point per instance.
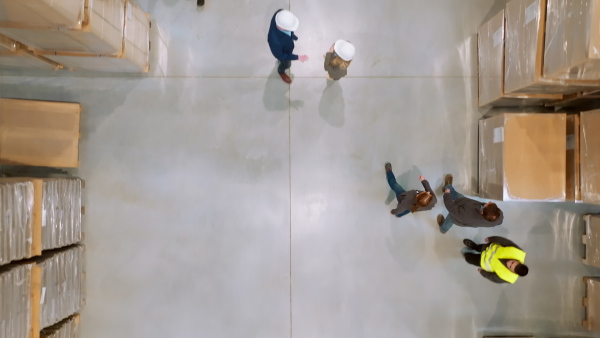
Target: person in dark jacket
(412, 200)
(338, 59)
(500, 261)
(281, 39)
(467, 212)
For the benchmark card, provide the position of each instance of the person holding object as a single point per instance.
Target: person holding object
(338, 59)
(500, 261)
(281, 39)
(412, 200)
(467, 212)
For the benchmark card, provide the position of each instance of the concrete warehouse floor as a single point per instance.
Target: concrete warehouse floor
(223, 203)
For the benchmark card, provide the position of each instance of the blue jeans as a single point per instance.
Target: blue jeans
(397, 188)
(447, 220)
(283, 65)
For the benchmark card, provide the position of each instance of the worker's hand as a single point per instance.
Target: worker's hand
(331, 49)
(421, 178)
(447, 191)
(303, 58)
(478, 270)
(487, 240)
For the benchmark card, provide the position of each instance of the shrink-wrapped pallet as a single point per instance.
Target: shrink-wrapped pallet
(524, 52)
(591, 240)
(591, 302)
(491, 69)
(62, 292)
(13, 55)
(522, 157)
(572, 44)
(100, 32)
(19, 301)
(61, 223)
(20, 219)
(42, 13)
(65, 329)
(133, 57)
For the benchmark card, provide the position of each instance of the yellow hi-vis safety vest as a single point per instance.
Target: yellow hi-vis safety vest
(490, 261)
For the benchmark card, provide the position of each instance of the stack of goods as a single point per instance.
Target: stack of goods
(40, 292)
(39, 133)
(522, 157)
(539, 51)
(591, 302)
(591, 240)
(98, 35)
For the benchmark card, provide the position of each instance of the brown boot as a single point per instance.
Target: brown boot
(388, 166)
(440, 219)
(447, 180)
(285, 78)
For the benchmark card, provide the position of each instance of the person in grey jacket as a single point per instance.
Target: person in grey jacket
(467, 212)
(412, 200)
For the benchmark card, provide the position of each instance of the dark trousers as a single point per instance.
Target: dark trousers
(283, 65)
(475, 259)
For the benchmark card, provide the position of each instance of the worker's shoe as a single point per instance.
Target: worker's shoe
(470, 244)
(388, 166)
(200, 2)
(440, 221)
(447, 180)
(285, 78)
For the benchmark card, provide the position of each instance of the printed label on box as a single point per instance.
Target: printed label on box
(498, 134)
(571, 142)
(531, 12)
(497, 37)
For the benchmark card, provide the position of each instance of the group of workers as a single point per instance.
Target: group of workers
(499, 259)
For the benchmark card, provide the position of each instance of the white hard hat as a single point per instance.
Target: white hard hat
(287, 20)
(344, 49)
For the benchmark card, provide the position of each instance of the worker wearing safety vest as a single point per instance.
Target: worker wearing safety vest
(500, 260)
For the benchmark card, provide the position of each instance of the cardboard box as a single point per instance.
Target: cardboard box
(573, 188)
(133, 57)
(591, 240)
(39, 133)
(42, 13)
(572, 44)
(101, 31)
(68, 328)
(589, 155)
(524, 52)
(522, 157)
(491, 69)
(21, 224)
(591, 302)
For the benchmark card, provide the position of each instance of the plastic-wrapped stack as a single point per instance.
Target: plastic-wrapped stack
(62, 292)
(65, 329)
(522, 157)
(61, 221)
(589, 156)
(18, 224)
(16, 311)
(591, 240)
(572, 45)
(591, 302)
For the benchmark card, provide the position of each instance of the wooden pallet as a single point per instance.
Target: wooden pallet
(590, 302)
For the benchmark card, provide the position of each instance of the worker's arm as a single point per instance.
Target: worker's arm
(277, 51)
(492, 276)
(502, 241)
(327, 64)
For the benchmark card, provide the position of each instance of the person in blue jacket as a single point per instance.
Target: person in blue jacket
(281, 41)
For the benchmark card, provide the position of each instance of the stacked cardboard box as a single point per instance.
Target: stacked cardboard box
(20, 287)
(591, 240)
(39, 133)
(99, 35)
(589, 156)
(522, 157)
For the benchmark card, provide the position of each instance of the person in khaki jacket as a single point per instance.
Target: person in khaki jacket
(338, 59)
